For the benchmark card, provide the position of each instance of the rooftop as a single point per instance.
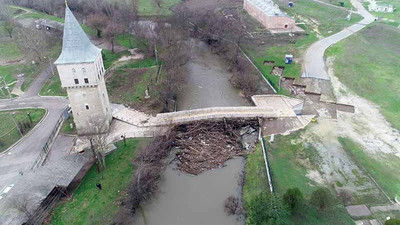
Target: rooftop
(76, 47)
(268, 7)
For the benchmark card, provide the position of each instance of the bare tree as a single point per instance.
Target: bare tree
(127, 16)
(98, 21)
(9, 26)
(111, 32)
(98, 141)
(33, 42)
(345, 196)
(22, 203)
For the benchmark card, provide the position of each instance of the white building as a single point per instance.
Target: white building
(81, 71)
(268, 14)
(385, 8)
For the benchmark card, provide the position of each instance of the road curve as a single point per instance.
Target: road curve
(21, 157)
(314, 62)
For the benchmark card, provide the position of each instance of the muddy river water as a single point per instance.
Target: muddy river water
(198, 200)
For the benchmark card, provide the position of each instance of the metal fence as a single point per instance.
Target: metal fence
(267, 167)
(47, 146)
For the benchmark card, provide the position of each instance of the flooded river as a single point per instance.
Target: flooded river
(198, 200)
(208, 82)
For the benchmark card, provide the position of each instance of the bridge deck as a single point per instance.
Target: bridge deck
(267, 106)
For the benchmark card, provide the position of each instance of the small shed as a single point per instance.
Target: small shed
(49, 25)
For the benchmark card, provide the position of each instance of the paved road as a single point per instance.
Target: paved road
(22, 156)
(314, 62)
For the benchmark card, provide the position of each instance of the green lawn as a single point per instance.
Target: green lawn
(109, 58)
(329, 20)
(9, 50)
(150, 8)
(127, 41)
(383, 167)
(289, 171)
(52, 87)
(369, 64)
(129, 87)
(347, 3)
(8, 71)
(9, 134)
(144, 63)
(88, 205)
(256, 175)
(277, 53)
(66, 126)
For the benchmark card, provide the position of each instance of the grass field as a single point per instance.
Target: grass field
(383, 167)
(9, 134)
(88, 205)
(9, 49)
(328, 20)
(256, 180)
(109, 58)
(8, 71)
(128, 87)
(347, 3)
(150, 8)
(372, 72)
(52, 87)
(277, 54)
(127, 41)
(66, 127)
(288, 167)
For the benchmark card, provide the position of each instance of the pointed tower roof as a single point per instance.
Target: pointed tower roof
(76, 47)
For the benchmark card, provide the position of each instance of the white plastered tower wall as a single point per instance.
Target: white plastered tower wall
(81, 71)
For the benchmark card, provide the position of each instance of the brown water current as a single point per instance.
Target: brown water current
(198, 200)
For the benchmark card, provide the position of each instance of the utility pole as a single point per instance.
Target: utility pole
(12, 117)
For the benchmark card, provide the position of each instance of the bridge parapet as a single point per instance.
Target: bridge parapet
(267, 106)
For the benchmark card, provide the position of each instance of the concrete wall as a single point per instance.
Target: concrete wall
(269, 22)
(94, 95)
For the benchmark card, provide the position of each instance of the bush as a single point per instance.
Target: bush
(392, 222)
(292, 198)
(321, 198)
(267, 209)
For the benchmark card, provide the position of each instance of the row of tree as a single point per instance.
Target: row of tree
(271, 209)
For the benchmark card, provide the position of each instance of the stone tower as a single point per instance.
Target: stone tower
(81, 71)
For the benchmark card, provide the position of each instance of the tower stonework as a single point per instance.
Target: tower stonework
(81, 70)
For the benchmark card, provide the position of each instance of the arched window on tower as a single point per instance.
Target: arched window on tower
(83, 71)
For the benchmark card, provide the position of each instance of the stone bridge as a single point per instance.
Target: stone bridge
(266, 106)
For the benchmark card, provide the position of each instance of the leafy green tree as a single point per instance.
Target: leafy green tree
(293, 198)
(268, 209)
(392, 222)
(321, 198)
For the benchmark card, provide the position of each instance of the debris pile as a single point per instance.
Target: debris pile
(207, 145)
(277, 70)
